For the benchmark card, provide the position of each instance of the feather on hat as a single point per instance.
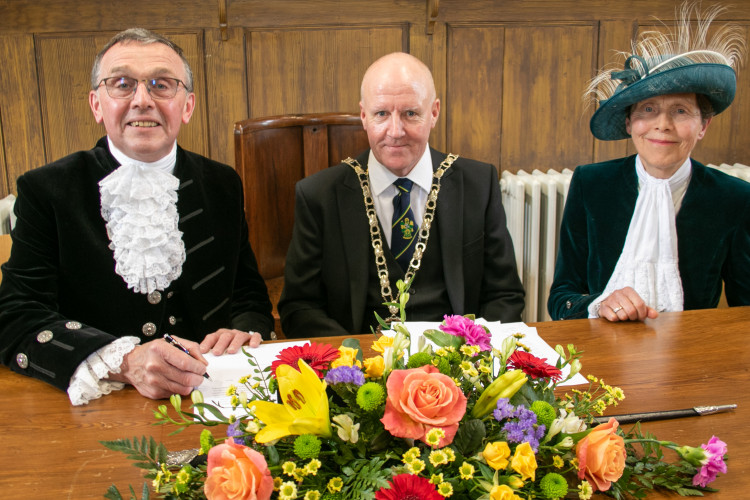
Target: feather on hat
(680, 60)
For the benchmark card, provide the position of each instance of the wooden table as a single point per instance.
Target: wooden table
(51, 450)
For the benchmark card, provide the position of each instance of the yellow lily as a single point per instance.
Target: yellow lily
(304, 409)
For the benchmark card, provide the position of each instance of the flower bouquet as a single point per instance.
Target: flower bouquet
(456, 419)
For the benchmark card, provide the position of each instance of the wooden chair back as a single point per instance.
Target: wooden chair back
(271, 155)
(5, 244)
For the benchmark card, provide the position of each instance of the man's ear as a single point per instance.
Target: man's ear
(96, 106)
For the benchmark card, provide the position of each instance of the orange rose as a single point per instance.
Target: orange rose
(601, 456)
(237, 472)
(421, 399)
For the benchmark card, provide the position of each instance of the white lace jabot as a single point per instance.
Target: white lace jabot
(138, 203)
(649, 261)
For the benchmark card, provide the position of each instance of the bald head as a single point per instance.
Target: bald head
(398, 67)
(399, 108)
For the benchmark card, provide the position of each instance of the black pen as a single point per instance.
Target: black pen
(181, 347)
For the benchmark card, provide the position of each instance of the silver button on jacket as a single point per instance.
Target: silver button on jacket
(149, 329)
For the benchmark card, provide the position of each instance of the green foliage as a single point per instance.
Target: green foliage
(362, 478)
(146, 452)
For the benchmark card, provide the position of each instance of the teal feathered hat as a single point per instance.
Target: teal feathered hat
(679, 60)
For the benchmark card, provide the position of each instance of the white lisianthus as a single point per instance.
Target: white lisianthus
(348, 431)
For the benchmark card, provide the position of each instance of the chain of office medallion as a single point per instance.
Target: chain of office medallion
(377, 239)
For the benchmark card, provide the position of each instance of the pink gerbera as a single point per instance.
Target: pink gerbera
(317, 356)
(532, 366)
(409, 487)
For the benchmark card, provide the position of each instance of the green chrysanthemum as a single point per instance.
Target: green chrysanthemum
(307, 446)
(419, 359)
(207, 441)
(370, 396)
(553, 485)
(544, 411)
(444, 366)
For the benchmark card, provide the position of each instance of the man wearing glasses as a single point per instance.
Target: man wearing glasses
(137, 238)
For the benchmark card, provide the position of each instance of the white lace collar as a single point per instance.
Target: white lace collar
(139, 205)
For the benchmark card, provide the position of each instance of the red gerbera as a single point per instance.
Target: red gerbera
(318, 356)
(533, 367)
(409, 487)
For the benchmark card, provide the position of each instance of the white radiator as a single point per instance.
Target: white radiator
(533, 206)
(737, 170)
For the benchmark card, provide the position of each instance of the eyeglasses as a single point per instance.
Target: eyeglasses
(124, 87)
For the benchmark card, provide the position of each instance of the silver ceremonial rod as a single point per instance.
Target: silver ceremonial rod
(649, 416)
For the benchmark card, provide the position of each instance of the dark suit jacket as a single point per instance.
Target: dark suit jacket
(61, 269)
(713, 233)
(326, 275)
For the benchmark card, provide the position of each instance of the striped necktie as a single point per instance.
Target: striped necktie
(404, 228)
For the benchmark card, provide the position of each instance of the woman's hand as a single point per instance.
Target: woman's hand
(625, 305)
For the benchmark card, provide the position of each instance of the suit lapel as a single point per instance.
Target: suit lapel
(450, 221)
(356, 239)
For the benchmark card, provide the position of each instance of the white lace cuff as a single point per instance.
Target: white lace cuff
(88, 382)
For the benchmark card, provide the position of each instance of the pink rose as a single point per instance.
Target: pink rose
(237, 472)
(601, 456)
(421, 399)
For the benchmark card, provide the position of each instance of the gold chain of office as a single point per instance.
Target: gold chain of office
(377, 239)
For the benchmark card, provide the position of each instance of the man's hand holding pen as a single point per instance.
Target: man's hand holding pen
(158, 370)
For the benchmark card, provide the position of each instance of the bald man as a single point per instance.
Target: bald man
(400, 211)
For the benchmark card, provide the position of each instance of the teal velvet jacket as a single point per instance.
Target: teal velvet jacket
(713, 233)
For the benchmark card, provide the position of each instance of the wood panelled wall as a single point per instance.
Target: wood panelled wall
(509, 72)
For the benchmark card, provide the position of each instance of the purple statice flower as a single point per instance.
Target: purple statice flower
(715, 450)
(234, 432)
(521, 423)
(472, 333)
(504, 409)
(345, 375)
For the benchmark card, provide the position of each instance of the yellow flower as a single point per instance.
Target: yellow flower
(382, 343)
(415, 466)
(466, 471)
(450, 454)
(347, 357)
(335, 484)
(288, 491)
(558, 462)
(434, 436)
(288, 468)
(313, 466)
(496, 454)
(410, 455)
(374, 367)
(503, 492)
(524, 461)
(436, 479)
(347, 430)
(438, 457)
(585, 491)
(445, 489)
(304, 409)
(277, 481)
(312, 495)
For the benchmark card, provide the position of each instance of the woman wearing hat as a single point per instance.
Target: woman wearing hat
(657, 231)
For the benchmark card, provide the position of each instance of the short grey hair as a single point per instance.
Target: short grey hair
(140, 35)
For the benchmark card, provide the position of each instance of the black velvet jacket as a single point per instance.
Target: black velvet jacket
(60, 299)
(713, 233)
